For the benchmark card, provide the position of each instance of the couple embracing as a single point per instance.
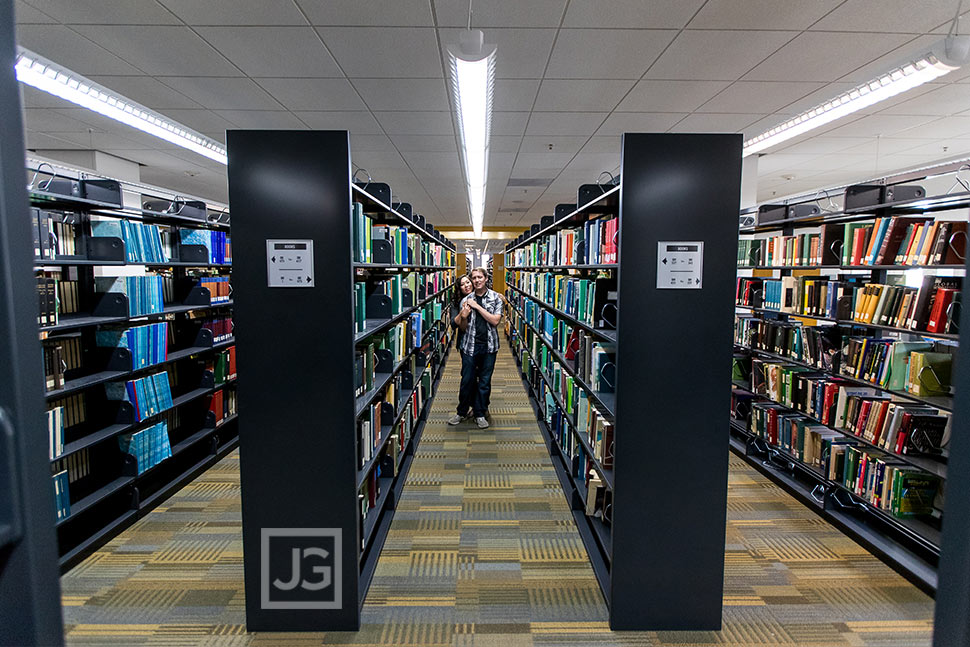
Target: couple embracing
(479, 313)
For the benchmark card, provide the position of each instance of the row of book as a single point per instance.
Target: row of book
(219, 287)
(48, 300)
(894, 240)
(144, 293)
(591, 301)
(406, 248)
(149, 446)
(218, 244)
(393, 289)
(223, 405)
(818, 346)
(911, 366)
(223, 366)
(882, 480)
(55, 432)
(62, 495)
(396, 343)
(927, 308)
(147, 344)
(61, 354)
(840, 405)
(591, 360)
(221, 327)
(53, 233)
(143, 242)
(148, 395)
(594, 243)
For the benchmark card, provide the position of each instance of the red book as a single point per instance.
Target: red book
(877, 429)
(858, 245)
(903, 432)
(831, 389)
(941, 306)
(860, 423)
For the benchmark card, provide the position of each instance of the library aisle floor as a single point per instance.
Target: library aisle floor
(483, 552)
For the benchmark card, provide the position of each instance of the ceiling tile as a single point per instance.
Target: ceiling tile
(391, 52)
(823, 56)
(204, 121)
(273, 51)
(606, 53)
(875, 125)
(761, 14)
(815, 98)
(107, 12)
(928, 127)
(509, 123)
(500, 13)
(875, 16)
(560, 144)
(25, 14)
(877, 147)
(700, 122)
(639, 122)
(132, 140)
(34, 98)
(522, 53)
(435, 143)
(503, 143)
(62, 45)
(358, 123)
(233, 12)
(819, 146)
(908, 48)
(726, 55)
(590, 95)
(40, 141)
(564, 123)
(403, 94)
(545, 161)
(313, 94)
(758, 96)
(263, 119)
(371, 144)
(224, 93)
(654, 95)
(638, 14)
(49, 120)
(160, 51)
(595, 163)
(940, 101)
(515, 94)
(603, 144)
(429, 160)
(417, 123)
(410, 13)
(147, 91)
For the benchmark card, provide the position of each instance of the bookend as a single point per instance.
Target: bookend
(382, 252)
(110, 304)
(197, 296)
(407, 297)
(380, 190)
(194, 254)
(404, 209)
(100, 190)
(383, 360)
(407, 381)
(379, 306)
(105, 249)
(563, 210)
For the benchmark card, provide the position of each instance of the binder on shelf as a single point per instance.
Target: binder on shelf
(101, 190)
(771, 213)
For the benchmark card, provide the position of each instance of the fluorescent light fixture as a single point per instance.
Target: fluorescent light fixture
(473, 87)
(948, 55)
(38, 72)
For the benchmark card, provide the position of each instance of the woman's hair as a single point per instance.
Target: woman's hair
(458, 293)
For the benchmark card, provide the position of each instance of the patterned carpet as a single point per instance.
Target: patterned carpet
(483, 552)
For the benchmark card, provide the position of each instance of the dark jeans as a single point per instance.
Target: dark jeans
(476, 383)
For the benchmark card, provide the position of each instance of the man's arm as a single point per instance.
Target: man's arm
(492, 318)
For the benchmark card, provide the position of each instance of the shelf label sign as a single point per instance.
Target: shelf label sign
(289, 264)
(300, 568)
(680, 265)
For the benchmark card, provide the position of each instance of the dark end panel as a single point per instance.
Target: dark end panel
(671, 443)
(296, 408)
(30, 597)
(952, 624)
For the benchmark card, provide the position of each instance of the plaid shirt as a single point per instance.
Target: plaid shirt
(492, 302)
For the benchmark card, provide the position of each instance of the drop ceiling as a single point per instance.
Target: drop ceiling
(572, 76)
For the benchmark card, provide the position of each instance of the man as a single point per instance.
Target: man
(481, 312)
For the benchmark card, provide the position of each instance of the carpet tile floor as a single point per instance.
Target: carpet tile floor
(483, 552)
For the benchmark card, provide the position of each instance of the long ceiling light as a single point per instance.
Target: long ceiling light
(473, 87)
(40, 73)
(948, 55)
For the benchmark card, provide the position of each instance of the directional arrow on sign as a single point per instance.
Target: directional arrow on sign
(665, 261)
(698, 281)
(273, 259)
(308, 279)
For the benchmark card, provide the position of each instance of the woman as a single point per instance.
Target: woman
(462, 290)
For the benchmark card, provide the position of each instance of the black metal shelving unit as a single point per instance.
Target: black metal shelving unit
(299, 435)
(910, 546)
(650, 581)
(107, 498)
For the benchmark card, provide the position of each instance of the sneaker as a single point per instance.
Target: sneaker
(455, 419)
(482, 422)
